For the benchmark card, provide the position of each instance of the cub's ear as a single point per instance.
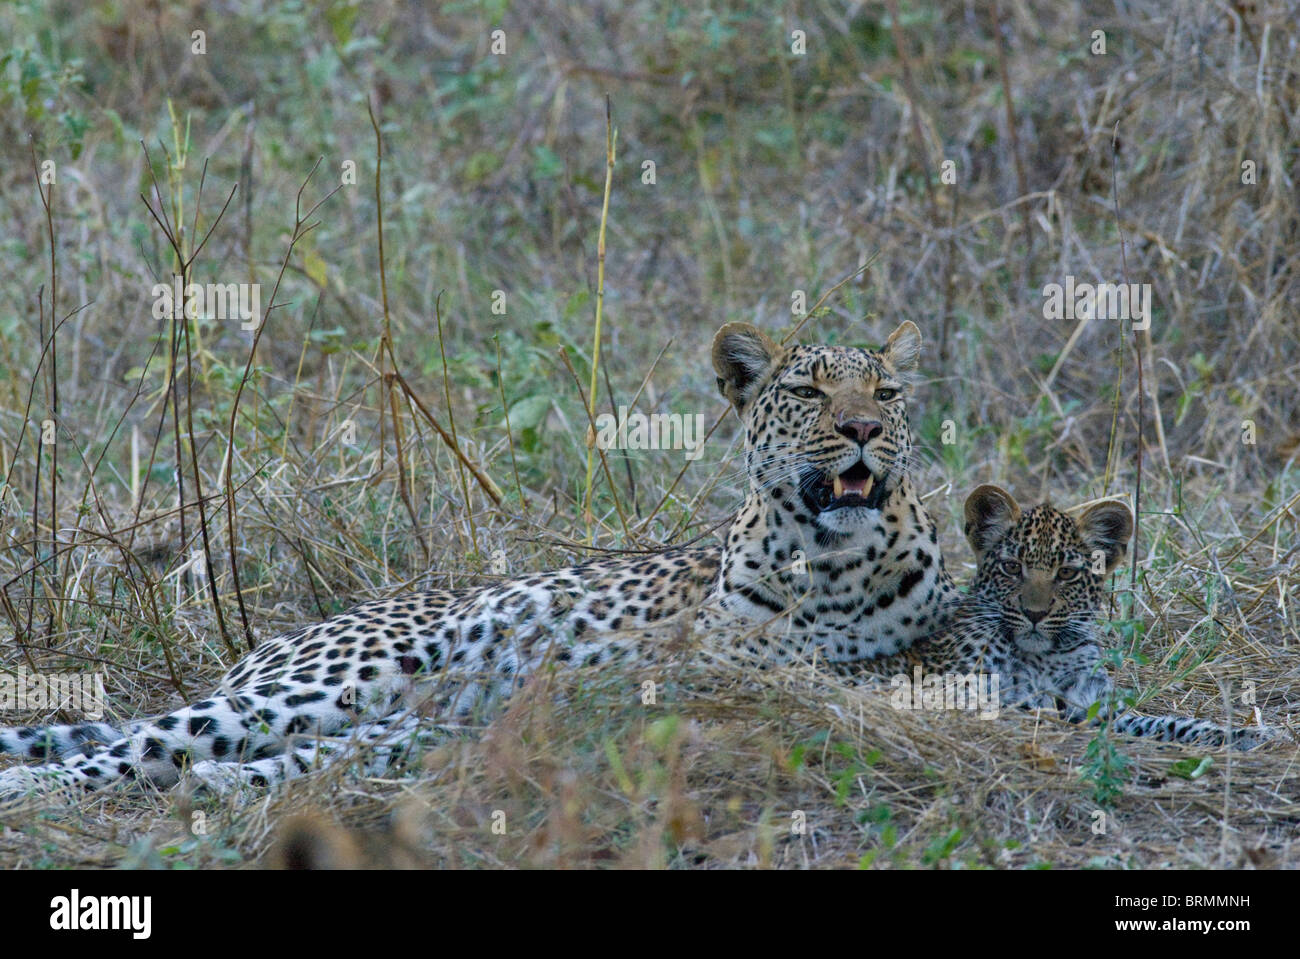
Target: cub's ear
(743, 355)
(903, 348)
(1107, 527)
(990, 512)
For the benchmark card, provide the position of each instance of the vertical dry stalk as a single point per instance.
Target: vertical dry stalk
(451, 421)
(1137, 346)
(1022, 181)
(587, 515)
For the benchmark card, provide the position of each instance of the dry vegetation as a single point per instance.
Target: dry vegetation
(775, 172)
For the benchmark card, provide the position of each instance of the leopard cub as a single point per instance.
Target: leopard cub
(1031, 618)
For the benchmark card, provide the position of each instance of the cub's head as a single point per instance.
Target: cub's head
(1040, 574)
(825, 426)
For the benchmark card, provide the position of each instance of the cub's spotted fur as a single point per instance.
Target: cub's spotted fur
(832, 553)
(1031, 617)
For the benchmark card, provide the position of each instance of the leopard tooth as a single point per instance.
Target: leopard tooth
(866, 490)
(837, 487)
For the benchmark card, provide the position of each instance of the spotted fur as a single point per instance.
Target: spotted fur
(1031, 618)
(832, 555)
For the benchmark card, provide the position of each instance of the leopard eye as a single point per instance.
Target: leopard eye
(1067, 573)
(885, 395)
(1010, 566)
(807, 392)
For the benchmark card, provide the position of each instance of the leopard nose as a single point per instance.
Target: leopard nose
(861, 431)
(1033, 615)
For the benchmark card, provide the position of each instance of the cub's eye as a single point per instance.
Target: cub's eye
(1067, 573)
(1010, 566)
(884, 396)
(806, 392)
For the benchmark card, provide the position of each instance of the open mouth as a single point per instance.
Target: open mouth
(855, 487)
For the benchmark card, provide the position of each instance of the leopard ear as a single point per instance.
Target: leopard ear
(903, 348)
(1106, 528)
(743, 355)
(990, 512)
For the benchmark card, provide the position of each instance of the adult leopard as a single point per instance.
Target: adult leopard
(1031, 619)
(832, 554)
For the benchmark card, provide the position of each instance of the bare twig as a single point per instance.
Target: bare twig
(610, 140)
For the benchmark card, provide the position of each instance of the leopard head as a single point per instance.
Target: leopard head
(826, 427)
(1040, 578)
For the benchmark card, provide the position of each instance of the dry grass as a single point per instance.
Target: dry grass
(775, 173)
